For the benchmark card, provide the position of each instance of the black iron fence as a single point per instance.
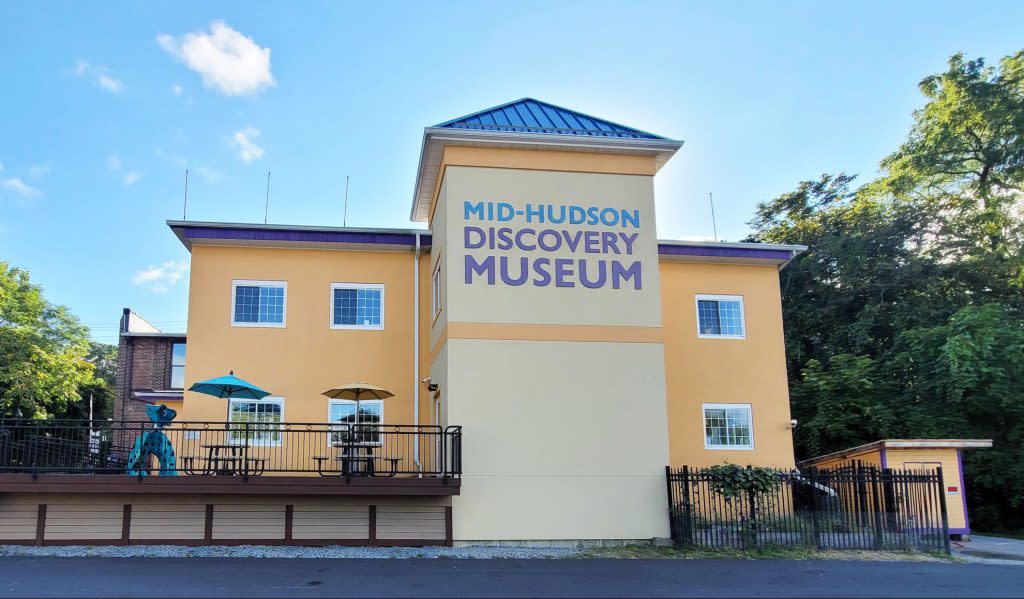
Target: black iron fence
(854, 507)
(233, 449)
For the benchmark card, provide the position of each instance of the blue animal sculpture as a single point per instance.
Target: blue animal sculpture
(154, 443)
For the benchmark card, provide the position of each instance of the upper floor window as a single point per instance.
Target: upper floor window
(357, 306)
(177, 366)
(436, 290)
(727, 426)
(259, 303)
(720, 316)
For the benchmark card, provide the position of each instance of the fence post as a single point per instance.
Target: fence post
(687, 532)
(889, 497)
(672, 528)
(942, 506)
(815, 527)
(752, 499)
(876, 508)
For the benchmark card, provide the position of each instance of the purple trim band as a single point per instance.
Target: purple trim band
(963, 491)
(960, 531)
(307, 236)
(724, 252)
(409, 239)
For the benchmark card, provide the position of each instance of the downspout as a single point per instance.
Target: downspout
(416, 355)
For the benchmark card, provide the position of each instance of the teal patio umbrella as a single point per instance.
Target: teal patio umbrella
(227, 387)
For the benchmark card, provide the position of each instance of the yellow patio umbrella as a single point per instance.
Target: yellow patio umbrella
(356, 392)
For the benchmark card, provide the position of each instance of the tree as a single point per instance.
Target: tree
(43, 350)
(906, 315)
(100, 389)
(964, 161)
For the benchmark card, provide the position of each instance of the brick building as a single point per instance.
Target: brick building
(150, 367)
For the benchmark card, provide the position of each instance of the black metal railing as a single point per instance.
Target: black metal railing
(853, 507)
(229, 449)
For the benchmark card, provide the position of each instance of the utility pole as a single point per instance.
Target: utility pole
(184, 207)
(344, 217)
(266, 207)
(714, 225)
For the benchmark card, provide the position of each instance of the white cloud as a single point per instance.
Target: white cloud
(228, 61)
(100, 75)
(209, 175)
(247, 148)
(38, 170)
(176, 160)
(19, 187)
(110, 84)
(131, 177)
(177, 90)
(159, 279)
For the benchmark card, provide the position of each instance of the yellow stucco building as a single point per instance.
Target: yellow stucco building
(537, 310)
(915, 455)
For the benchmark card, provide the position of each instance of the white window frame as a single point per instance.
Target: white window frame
(721, 298)
(272, 399)
(726, 406)
(333, 402)
(248, 283)
(330, 305)
(435, 290)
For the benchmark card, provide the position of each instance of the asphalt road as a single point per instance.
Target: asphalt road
(153, 577)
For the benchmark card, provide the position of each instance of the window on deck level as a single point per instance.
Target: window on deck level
(256, 421)
(343, 411)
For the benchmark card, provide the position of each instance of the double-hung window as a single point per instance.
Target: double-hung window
(357, 306)
(256, 421)
(362, 427)
(177, 366)
(720, 317)
(728, 426)
(259, 303)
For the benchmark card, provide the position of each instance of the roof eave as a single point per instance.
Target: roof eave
(288, 236)
(426, 174)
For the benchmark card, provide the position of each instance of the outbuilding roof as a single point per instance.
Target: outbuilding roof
(899, 444)
(527, 115)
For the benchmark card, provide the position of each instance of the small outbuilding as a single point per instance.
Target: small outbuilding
(915, 454)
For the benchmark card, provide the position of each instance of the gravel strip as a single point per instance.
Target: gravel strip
(263, 551)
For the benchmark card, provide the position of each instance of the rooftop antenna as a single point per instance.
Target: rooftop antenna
(344, 218)
(714, 225)
(184, 208)
(266, 207)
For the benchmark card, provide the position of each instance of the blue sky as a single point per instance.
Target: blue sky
(105, 104)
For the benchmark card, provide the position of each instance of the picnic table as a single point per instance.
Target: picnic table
(356, 459)
(227, 459)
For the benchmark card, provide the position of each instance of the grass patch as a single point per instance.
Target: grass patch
(791, 553)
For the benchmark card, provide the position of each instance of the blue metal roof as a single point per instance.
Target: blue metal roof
(532, 116)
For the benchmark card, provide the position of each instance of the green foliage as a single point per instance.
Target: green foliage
(734, 482)
(905, 318)
(43, 351)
